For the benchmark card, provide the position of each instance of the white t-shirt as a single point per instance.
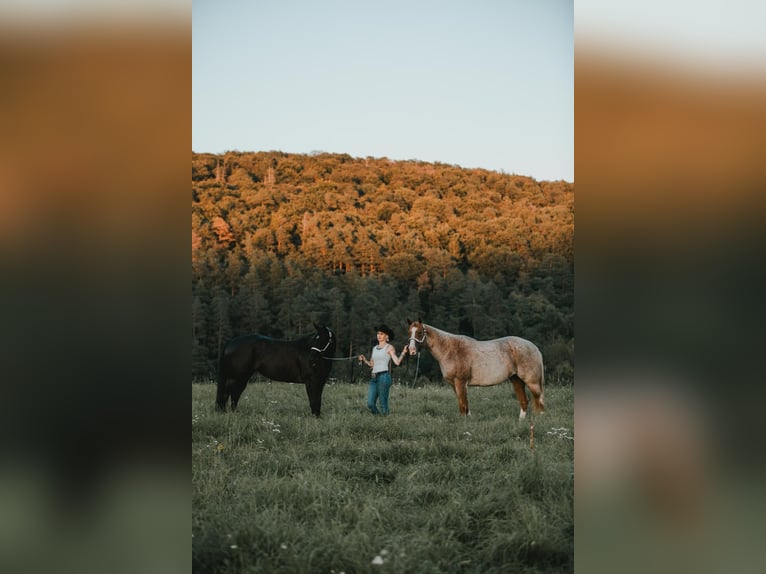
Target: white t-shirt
(380, 359)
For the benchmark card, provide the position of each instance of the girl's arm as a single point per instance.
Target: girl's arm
(363, 359)
(396, 358)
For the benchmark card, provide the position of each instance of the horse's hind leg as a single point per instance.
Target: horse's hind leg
(222, 394)
(537, 395)
(518, 386)
(237, 388)
(536, 388)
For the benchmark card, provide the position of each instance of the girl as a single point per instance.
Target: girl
(380, 383)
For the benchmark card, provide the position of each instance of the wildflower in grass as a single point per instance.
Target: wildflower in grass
(560, 433)
(283, 546)
(233, 546)
(220, 447)
(272, 425)
(380, 558)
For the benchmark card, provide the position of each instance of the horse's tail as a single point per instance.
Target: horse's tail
(542, 385)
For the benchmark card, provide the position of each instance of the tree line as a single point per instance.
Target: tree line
(282, 240)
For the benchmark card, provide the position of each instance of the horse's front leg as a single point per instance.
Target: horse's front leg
(314, 391)
(461, 390)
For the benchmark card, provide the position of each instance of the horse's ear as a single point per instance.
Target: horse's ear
(420, 320)
(408, 321)
(316, 327)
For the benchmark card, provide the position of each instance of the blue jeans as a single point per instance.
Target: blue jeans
(380, 386)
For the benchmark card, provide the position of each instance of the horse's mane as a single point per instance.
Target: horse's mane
(445, 334)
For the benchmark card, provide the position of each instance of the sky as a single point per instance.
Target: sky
(479, 84)
(702, 35)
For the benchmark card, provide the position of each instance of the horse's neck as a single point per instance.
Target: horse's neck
(436, 340)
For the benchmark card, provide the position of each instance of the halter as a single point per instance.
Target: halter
(325, 347)
(421, 340)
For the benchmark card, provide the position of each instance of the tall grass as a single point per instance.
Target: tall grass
(422, 490)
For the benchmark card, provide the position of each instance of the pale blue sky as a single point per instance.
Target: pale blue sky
(481, 83)
(711, 35)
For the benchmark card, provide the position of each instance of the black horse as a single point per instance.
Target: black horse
(303, 360)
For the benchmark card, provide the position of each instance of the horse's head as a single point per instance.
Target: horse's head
(417, 334)
(323, 340)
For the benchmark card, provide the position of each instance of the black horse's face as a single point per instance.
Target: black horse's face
(323, 339)
(417, 334)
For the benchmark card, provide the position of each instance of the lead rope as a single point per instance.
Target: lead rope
(417, 367)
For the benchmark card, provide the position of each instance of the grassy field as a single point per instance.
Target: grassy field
(422, 490)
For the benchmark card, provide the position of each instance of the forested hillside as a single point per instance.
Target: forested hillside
(280, 240)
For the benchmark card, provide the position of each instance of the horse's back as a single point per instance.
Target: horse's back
(288, 361)
(522, 345)
(494, 361)
(243, 344)
(248, 353)
(238, 354)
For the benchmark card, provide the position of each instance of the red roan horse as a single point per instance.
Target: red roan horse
(465, 361)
